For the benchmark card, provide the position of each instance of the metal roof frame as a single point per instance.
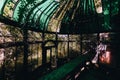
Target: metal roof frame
(79, 16)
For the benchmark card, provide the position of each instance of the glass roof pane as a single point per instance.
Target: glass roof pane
(47, 12)
(54, 9)
(1, 4)
(38, 10)
(38, 13)
(42, 12)
(16, 11)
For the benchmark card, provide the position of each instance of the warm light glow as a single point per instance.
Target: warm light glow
(105, 58)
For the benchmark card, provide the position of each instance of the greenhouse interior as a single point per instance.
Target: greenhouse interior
(59, 39)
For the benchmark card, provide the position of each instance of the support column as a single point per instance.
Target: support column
(81, 38)
(56, 45)
(68, 46)
(98, 40)
(43, 50)
(25, 60)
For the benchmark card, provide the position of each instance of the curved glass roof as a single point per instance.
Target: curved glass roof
(65, 16)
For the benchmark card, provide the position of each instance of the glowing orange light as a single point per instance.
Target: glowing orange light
(105, 58)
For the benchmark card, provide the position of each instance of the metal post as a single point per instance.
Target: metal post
(56, 45)
(81, 43)
(68, 46)
(43, 50)
(25, 60)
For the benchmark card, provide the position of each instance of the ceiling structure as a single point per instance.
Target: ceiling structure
(63, 16)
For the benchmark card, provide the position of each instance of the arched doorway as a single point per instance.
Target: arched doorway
(49, 54)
